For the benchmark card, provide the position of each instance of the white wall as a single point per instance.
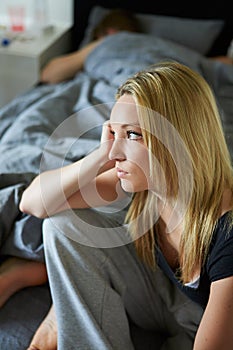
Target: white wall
(59, 11)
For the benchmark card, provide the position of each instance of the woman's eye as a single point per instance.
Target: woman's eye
(133, 135)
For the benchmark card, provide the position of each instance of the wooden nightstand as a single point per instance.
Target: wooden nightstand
(21, 61)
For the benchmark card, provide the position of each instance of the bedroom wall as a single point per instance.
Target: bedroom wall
(58, 11)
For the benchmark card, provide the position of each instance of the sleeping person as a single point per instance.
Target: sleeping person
(66, 66)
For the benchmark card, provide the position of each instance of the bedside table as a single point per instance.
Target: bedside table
(21, 61)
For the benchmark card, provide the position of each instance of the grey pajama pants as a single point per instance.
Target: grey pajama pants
(103, 295)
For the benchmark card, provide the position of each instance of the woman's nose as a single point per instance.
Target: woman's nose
(117, 151)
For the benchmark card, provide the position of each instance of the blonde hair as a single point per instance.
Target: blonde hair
(183, 98)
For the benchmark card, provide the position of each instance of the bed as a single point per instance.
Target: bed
(52, 125)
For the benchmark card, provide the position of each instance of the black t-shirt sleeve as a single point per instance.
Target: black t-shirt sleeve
(220, 261)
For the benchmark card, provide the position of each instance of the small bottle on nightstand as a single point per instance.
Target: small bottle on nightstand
(40, 15)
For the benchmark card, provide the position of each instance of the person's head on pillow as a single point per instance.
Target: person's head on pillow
(115, 21)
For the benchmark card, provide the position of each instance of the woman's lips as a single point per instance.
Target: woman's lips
(121, 173)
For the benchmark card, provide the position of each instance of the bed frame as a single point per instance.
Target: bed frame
(195, 10)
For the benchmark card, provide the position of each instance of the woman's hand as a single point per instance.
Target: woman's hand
(107, 137)
(75, 184)
(106, 142)
(106, 132)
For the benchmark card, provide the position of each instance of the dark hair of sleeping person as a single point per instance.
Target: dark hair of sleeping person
(114, 21)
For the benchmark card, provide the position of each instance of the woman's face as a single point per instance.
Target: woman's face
(128, 149)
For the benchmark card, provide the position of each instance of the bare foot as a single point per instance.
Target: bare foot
(45, 337)
(17, 273)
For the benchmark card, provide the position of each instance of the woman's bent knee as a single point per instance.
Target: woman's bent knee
(88, 227)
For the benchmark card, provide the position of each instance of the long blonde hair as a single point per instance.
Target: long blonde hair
(183, 98)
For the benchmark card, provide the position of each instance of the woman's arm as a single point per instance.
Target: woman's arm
(65, 67)
(216, 328)
(89, 182)
(77, 185)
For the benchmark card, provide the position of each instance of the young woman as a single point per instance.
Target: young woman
(166, 267)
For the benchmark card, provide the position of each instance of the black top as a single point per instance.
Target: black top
(218, 265)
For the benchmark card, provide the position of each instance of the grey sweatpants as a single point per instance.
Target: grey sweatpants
(100, 288)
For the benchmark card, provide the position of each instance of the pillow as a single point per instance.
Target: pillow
(196, 34)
